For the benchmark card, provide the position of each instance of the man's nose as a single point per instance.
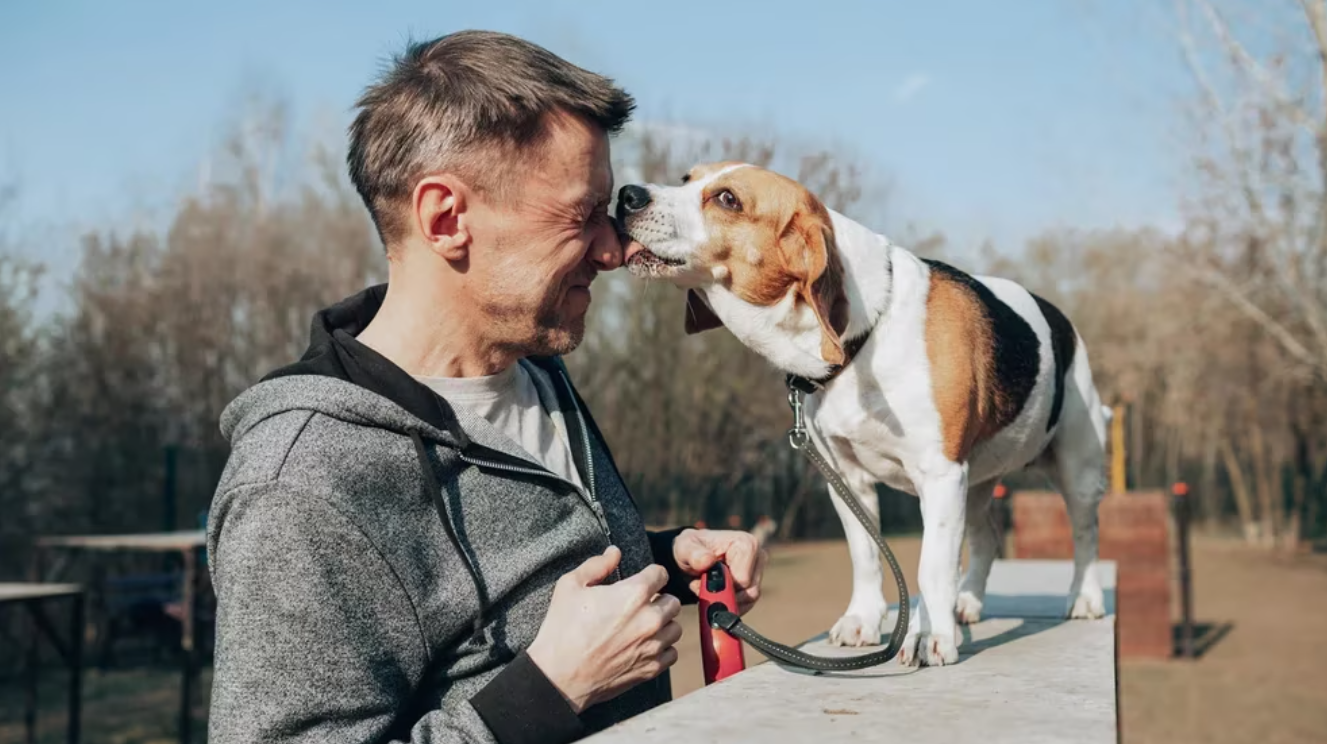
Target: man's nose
(606, 247)
(632, 199)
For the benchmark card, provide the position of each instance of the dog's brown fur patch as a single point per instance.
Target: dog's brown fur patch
(983, 356)
(780, 239)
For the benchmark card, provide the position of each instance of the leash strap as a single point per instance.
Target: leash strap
(728, 621)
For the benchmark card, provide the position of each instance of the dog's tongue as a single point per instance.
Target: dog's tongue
(644, 257)
(632, 248)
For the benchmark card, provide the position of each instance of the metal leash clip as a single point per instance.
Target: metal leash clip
(797, 436)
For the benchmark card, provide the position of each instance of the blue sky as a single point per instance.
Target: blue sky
(990, 119)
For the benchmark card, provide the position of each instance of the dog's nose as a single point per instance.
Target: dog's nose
(633, 198)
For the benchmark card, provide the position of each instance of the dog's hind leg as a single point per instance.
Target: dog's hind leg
(1079, 450)
(983, 545)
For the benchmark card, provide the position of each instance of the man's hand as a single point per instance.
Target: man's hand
(598, 641)
(697, 550)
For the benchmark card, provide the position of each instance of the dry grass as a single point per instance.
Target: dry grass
(1264, 682)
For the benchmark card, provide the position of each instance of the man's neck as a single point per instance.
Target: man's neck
(427, 336)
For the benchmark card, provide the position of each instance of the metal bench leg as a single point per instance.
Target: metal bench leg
(34, 662)
(187, 643)
(75, 669)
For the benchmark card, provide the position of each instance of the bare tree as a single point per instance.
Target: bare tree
(19, 347)
(1257, 235)
(1259, 227)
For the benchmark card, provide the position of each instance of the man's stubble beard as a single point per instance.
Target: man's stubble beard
(555, 335)
(546, 333)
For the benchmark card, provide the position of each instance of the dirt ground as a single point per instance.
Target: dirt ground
(1264, 682)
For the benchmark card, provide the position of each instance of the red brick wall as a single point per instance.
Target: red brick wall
(1134, 531)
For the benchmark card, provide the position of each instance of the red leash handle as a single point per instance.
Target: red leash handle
(721, 653)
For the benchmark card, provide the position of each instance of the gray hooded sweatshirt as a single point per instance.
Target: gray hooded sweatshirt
(382, 560)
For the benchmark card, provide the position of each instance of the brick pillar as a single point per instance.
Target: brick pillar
(1134, 531)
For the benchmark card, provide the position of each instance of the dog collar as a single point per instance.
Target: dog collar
(811, 386)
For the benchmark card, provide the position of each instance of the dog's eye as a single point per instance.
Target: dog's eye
(728, 201)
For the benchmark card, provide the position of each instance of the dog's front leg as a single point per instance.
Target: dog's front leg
(868, 608)
(933, 638)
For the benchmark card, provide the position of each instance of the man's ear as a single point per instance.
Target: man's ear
(438, 211)
(822, 289)
(699, 315)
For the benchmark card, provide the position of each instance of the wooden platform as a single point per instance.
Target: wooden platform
(1024, 676)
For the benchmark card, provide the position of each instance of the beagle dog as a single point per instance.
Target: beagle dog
(927, 379)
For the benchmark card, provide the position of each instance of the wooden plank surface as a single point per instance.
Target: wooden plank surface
(1025, 675)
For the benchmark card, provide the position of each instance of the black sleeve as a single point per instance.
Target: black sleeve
(521, 706)
(661, 545)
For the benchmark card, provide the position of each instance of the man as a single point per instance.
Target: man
(421, 534)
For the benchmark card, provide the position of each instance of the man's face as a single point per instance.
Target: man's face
(533, 259)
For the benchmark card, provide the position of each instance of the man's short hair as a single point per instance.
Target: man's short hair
(469, 103)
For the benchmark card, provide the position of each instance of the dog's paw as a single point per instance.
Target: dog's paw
(1089, 605)
(855, 629)
(938, 650)
(927, 649)
(967, 610)
(907, 655)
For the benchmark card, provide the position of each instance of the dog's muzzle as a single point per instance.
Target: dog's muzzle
(641, 220)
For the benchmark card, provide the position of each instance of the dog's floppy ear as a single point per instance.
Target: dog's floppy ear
(821, 282)
(699, 315)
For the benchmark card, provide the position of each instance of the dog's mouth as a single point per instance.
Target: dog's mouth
(647, 264)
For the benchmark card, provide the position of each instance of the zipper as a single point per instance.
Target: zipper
(589, 497)
(585, 435)
(589, 463)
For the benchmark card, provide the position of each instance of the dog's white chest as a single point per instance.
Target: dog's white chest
(884, 463)
(880, 433)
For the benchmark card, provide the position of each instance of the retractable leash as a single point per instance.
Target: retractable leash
(721, 654)
(722, 630)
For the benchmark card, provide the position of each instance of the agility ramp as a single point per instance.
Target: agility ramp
(1025, 675)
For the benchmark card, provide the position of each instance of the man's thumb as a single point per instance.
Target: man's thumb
(599, 567)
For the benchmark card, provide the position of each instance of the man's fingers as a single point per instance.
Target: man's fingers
(758, 575)
(665, 637)
(667, 606)
(751, 560)
(693, 553)
(598, 568)
(651, 580)
(741, 559)
(663, 661)
(747, 599)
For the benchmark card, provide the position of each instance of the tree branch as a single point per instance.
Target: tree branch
(1255, 70)
(1241, 301)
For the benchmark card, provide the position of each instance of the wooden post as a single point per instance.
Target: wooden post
(1118, 479)
(1181, 491)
